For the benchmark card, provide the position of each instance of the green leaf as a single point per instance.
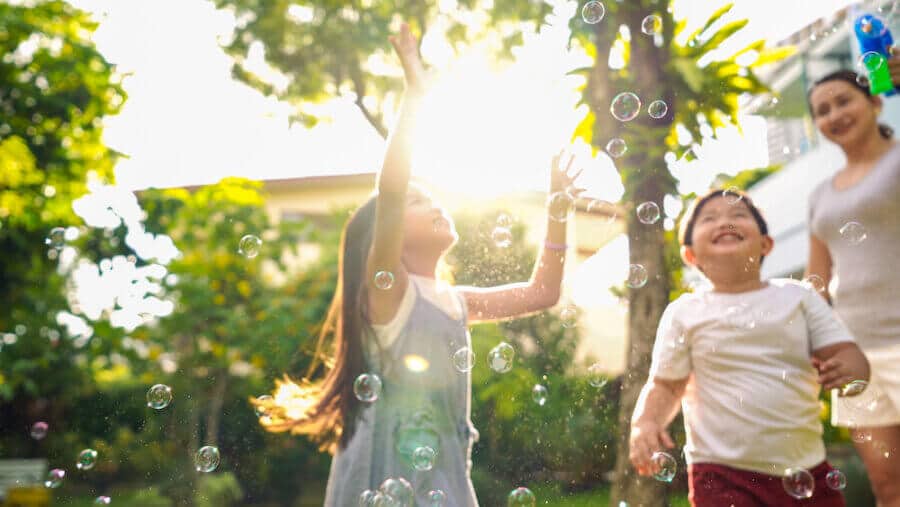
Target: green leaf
(712, 19)
(722, 35)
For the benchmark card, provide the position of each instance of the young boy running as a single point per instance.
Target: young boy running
(746, 358)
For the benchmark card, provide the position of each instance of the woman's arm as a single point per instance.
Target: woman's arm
(544, 288)
(657, 405)
(393, 180)
(819, 265)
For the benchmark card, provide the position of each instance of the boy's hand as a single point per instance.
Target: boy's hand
(645, 439)
(560, 177)
(407, 48)
(834, 374)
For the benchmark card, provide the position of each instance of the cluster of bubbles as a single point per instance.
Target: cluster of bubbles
(501, 357)
(502, 235)
(539, 394)
(249, 246)
(395, 491)
(367, 387)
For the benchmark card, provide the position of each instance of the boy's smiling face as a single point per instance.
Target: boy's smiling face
(725, 238)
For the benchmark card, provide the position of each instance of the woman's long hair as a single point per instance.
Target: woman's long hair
(853, 79)
(326, 409)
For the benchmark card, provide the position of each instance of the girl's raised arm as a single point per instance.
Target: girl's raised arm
(544, 288)
(393, 181)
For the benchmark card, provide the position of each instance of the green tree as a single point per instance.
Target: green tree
(55, 89)
(323, 46)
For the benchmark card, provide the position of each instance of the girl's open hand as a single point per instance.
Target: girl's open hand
(562, 178)
(406, 45)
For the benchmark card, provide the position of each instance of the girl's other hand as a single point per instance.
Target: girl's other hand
(561, 177)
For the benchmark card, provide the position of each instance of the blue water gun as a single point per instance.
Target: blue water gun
(875, 44)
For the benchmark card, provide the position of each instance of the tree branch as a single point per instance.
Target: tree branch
(359, 87)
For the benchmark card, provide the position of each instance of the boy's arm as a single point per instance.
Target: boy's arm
(657, 405)
(840, 364)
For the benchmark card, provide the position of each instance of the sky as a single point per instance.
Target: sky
(187, 122)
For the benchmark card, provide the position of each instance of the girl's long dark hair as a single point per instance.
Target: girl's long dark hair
(325, 410)
(853, 79)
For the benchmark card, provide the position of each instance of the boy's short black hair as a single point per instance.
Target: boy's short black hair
(690, 216)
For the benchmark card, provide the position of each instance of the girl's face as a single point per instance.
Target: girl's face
(844, 114)
(726, 234)
(427, 224)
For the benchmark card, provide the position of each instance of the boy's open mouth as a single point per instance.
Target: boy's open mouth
(725, 235)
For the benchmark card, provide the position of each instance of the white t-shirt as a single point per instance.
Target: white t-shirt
(752, 398)
(440, 294)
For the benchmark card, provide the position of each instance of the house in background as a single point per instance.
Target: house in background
(808, 159)
(602, 325)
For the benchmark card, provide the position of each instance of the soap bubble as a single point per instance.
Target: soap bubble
(665, 466)
(870, 61)
(56, 238)
(423, 458)
(732, 195)
(102, 500)
(637, 276)
(384, 280)
(55, 478)
(652, 25)
(569, 316)
(596, 375)
(501, 357)
(39, 430)
(836, 480)
(366, 498)
(206, 459)
(86, 459)
(593, 12)
(625, 106)
(657, 109)
(648, 212)
(249, 246)
(798, 483)
(815, 282)
(367, 387)
(854, 388)
(464, 359)
(159, 396)
(853, 233)
(436, 498)
(399, 489)
(559, 204)
(501, 236)
(616, 147)
(521, 497)
(539, 394)
(261, 410)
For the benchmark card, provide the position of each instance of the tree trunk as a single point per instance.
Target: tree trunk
(214, 415)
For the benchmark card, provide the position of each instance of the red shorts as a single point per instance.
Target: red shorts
(713, 485)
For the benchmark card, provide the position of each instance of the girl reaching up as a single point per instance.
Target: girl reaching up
(402, 338)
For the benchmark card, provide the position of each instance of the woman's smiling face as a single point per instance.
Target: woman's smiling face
(843, 113)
